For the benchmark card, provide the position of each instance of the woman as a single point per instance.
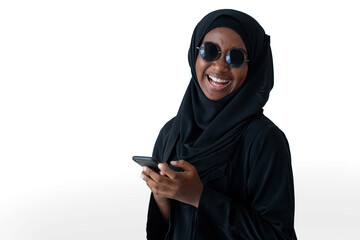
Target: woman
(225, 170)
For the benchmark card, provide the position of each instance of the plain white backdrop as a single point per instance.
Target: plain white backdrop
(85, 85)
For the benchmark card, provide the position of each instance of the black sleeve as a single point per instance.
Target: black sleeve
(157, 226)
(270, 214)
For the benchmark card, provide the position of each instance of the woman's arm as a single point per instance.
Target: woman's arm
(157, 226)
(158, 212)
(269, 213)
(182, 186)
(163, 205)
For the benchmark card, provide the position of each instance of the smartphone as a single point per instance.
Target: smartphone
(147, 161)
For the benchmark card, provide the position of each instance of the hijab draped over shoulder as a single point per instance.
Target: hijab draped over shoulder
(203, 127)
(243, 159)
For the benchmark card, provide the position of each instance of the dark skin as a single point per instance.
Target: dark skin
(226, 39)
(184, 186)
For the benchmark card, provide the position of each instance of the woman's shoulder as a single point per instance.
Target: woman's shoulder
(168, 125)
(162, 138)
(165, 130)
(263, 128)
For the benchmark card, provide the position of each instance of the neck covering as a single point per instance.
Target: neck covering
(202, 127)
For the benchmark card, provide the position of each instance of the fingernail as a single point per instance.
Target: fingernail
(160, 166)
(144, 168)
(142, 176)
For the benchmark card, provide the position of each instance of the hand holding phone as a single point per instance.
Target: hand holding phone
(147, 161)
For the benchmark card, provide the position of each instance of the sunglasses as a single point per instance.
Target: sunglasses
(235, 57)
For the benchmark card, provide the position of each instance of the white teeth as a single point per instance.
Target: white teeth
(219, 85)
(217, 79)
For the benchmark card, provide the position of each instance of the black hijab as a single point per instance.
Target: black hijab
(202, 127)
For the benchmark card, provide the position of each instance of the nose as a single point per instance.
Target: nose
(221, 65)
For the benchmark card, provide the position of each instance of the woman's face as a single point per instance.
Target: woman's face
(217, 79)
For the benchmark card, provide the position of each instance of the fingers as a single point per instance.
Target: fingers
(182, 186)
(182, 164)
(148, 172)
(166, 170)
(157, 184)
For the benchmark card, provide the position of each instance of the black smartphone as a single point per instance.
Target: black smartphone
(147, 161)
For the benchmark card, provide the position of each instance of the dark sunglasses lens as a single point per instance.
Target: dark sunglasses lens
(209, 51)
(235, 58)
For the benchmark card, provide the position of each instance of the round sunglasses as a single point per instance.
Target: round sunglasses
(235, 57)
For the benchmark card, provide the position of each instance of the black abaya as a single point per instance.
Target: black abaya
(242, 158)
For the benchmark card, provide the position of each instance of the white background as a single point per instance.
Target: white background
(85, 85)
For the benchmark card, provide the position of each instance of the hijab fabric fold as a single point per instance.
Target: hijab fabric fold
(202, 127)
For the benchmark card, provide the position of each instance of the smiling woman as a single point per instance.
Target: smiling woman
(215, 75)
(236, 180)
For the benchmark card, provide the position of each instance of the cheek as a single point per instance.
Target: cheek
(197, 68)
(200, 67)
(240, 75)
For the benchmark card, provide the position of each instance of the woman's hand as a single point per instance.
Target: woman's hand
(184, 186)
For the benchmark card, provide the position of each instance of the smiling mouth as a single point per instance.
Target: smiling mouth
(217, 82)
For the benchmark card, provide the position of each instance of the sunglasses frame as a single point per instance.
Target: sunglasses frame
(227, 54)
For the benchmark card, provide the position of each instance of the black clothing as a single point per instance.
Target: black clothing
(248, 196)
(242, 158)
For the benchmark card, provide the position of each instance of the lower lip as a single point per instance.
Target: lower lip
(216, 87)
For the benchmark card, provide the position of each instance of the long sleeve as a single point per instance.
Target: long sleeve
(269, 213)
(157, 226)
